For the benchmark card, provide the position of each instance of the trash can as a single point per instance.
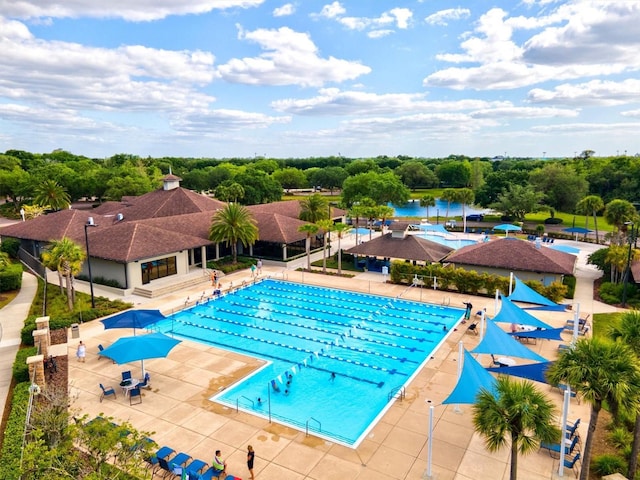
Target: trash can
(385, 270)
(75, 330)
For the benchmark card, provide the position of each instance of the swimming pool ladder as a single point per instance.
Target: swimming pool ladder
(316, 421)
(397, 392)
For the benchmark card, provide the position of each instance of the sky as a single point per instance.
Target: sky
(361, 78)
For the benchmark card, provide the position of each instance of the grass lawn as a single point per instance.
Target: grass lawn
(602, 322)
(6, 297)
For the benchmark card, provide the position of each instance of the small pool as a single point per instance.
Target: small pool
(336, 359)
(449, 242)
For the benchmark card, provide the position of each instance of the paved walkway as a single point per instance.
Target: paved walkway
(178, 411)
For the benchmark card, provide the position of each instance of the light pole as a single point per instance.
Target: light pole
(89, 223)
(628, 269)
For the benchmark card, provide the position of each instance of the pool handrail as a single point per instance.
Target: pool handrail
(307, 426)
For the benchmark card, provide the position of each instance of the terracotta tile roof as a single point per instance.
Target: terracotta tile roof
(109, 207)
(278, 228)
(127, 242)
(515, 254)
(410, 247)
(167, 203)
(288, 208)
(65, 223)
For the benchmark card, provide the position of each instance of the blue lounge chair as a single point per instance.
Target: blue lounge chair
(107, 391)
(135, 396)
(571, 463)
(562, 387)
(572, 429)
(554, 448)
(210, 474)
(164, 453)
(197, 466)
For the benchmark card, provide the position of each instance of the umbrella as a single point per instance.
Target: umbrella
(133, 319)
(507, 227)
(140, 347)
(577, 230)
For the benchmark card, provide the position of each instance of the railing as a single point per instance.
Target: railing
(307, 425)
(397, 392)
(238, 402)
(33, 263)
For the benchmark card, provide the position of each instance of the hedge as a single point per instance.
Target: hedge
(11, 277)
(12, 441)
(20, 367)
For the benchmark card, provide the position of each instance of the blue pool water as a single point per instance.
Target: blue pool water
(413, 209)
(449, 242)
(374, 345)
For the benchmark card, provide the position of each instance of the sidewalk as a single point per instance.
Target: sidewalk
(11, 322)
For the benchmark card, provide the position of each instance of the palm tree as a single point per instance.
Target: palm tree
(599, 370)
(309, 229)
(617, 212)
(50, 193)
(627, 331)
(66, 257)
(517, 414)
(313, 208)
(591, 205)
(340, 228)
(448, 195)
(233, 224)
(428, 201)
(465, 196)
(384, 212)
(327, 227)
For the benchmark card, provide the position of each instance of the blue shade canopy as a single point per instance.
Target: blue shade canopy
(533, 371)
(511, 313)
(524, 293)
(547, 334)
(577, 230)
(133, 319)
(140, 347)
(507, 227)
(473, 378)
(499, 342)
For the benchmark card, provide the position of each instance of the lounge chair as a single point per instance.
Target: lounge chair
(135, 396)
(571, 463)
(107, 391)
(197, 466)
(562, 347)
(153, 460)
(554, 448)
(473, 328)
(562, 387)
(209, 474)
(572, 429)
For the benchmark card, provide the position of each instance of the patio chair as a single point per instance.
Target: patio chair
(571, 463)
(197, 466)
(562, 387)
(135, 396)
(153, 461)
(210, 474)
(100, 349)
(573, 429)
(126, 375)
(106, 392)
(145, 381)
(473, 328)
(554, 448)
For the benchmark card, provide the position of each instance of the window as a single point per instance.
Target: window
(158, 269)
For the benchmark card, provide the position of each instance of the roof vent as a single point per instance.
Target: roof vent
(119, 217)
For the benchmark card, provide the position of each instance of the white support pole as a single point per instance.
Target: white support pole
(565, 413)
(495, 303)
(576, 325)
(510, 283)
(430, 443)
(482, 320)
(456, 407)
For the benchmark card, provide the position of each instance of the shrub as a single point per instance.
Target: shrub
(539, 229)
(11, 277)
(20, 367)
(10, 246)
(570, 282)
(552, 221)
(12, 441)
(225, 264)
(620, 437)
(607, 464)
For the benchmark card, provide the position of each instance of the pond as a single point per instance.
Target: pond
(413, 209)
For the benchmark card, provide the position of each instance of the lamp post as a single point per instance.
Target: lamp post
(628, 269)
(90, 223)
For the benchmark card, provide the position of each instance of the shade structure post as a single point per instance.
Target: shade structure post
(510, 283)
(430, 444)
(495, 303)
(483, 316)
(456, 407)
(565, 413)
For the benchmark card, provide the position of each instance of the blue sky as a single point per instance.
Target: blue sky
(222, 78)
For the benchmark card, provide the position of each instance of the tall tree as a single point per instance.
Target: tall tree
(448, 195)
(314, 208)
(66, 257)
(233, 224)
(465, 196)
(599, 370)
(627, 330)
(310, 229)
(427, 201)
(49, 192)
(517, 201)
(591, 205)
(517, 415)
(340, 229)
(327, 227)
(617, 212)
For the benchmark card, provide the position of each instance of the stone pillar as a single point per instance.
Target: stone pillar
(36, 370)
(42, 323)
(41, 340)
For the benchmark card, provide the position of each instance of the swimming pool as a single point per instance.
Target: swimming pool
(345, 354)
(449, 242)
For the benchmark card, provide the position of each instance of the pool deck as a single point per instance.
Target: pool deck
(178, 413)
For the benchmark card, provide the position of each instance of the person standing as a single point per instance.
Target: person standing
(250, 456)
(253, 270)
(81, 352)
(259, 266)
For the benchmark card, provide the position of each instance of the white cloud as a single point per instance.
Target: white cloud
(285, 10)
(212, 121)
(443, 16)
(139, 10)
(579, 38)
(332, 10)
(631, 113)
(380, 33)
(595, 92)
(333, 101)
(290, 58)
(398, 17)
(524, 112)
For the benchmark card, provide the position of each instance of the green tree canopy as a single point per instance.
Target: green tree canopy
(232, 225)
(49, 193)
(516, 201)
(314, 208)
(290, 177)
(382, 188)
(562, 185)
(416, 174)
